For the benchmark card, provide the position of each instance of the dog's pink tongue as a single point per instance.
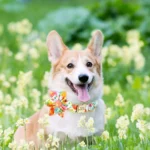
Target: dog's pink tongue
(83, 94)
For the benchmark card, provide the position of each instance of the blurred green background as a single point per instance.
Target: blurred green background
(75, 20)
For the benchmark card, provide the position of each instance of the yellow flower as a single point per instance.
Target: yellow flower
(20, 27)
(44, 120)
(55, 142)
(34, 53)
(13, 145)
(77, 46)
(90, 125)
(23, 102)
(122, 134)
(22, 122)
(108, 113)
(23, 145)
(82, 121)
(86, 124)
(23, 80)
(139, 61)
(141, 125)
(20, 56)
(137, 113)
(147, 111)
(133, 36)
(119, 101)
(12, 79)
(2, 77)
(105, 135)
(122, 126)
(40, 134)
(122, 122)
(82, 144)
(10, 110)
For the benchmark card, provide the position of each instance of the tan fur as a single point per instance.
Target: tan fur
(68, 55)
(31, 128)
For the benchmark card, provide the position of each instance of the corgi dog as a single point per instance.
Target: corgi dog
(76, 84)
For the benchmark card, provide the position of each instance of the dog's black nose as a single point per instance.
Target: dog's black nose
(83, 78)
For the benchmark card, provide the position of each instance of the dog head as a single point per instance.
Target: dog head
(78, 72)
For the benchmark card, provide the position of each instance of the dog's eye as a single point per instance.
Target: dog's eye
(89, 64)
(70, 65)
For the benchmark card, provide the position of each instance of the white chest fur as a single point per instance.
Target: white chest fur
(68, 125)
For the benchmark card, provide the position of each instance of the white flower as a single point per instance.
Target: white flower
(108, 113)
(122, 122)
(139, 61)
(86, 124)
(24, 48)
(82, 144)
(90, 125)
(146, 79)
(147, 111)
(129, 79)
(2, 77)
(44, 121)
(119, 101)
(141, 125)
(31, 145)
(35, 93)
(47, 145)
(23, 145)
(141, 136)
(1, 131)
(122, 134)
(6, 84)
(115, 51)
(122, 126)
(77, 46)
(137, 113)
(22, 122)
(8, 98)
(12, 79)
(23, 102)
(20, 56)
(10, 110)
(7, 134)
(133, 36)
(34, 53)
(13, 145)
(82, 121)
(21, 27)
(40, 134)
(105, 135)
(55, 142)
(23, 80)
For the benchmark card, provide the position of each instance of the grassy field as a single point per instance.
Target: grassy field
(24, 69)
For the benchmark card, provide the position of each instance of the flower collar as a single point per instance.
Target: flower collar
(58, 104)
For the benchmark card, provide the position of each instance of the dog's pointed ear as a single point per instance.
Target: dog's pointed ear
(96, 43)
(55, 45)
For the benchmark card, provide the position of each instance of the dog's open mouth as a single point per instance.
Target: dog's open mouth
(82, 90)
